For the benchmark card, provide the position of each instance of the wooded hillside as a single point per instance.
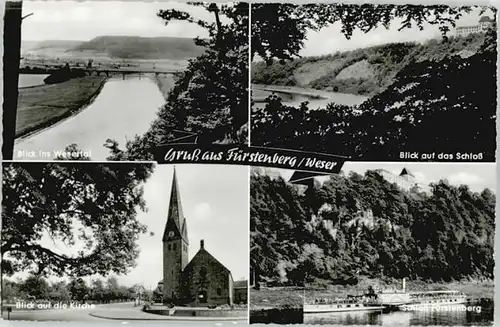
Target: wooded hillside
(364, 71)
(354, 226)
(429, 102)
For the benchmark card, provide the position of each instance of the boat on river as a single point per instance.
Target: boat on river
(350, 303)
(434, 298)
(398, 299)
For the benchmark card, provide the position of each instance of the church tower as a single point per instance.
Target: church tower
(175, 247)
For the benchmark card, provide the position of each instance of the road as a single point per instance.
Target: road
(107, 312)
(70, 314)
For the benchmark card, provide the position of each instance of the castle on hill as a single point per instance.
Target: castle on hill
(203, 281)
(482, 26)
(406, 181)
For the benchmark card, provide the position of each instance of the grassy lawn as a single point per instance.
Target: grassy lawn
(279, 297)
(41, 106)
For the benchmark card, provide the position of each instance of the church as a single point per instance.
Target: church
(203, 281)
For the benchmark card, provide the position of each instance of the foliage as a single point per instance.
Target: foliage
(428, 103)
(77, 289)
(90, 208)
(355, 225)
(279, 30)
(64, 74)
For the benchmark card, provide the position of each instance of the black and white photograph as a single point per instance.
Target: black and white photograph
(391, 244)
(104, 80)
(375, 82)
(125, 242)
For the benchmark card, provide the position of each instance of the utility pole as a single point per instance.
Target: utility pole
(11, 60)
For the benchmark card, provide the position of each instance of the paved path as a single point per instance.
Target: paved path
(115, 311)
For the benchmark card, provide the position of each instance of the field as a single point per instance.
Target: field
(278, 297)
(41, 106)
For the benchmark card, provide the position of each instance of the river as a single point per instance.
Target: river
(123, 109)
(295, 96)
(26, 80)
(403, 319)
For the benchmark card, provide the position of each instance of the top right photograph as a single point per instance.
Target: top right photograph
(375, 82)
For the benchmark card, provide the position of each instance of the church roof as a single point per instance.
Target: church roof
(202, 251)
(406, 172)
(485, 19)
(175, 214)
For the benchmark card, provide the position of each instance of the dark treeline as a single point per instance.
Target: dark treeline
(429, 102)
(363, 226)
(37, 288)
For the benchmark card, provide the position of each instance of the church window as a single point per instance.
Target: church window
(203, 273)
(175, 246)
(219, 291)
(169, 247)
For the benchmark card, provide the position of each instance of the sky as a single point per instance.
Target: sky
(215, 203)
(477, 176)
(82, 21)
(329, 39)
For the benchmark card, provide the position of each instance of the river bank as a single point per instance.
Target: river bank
(165, 83)
(42, 106)
(473, 289)
(276, 297)
(294, 95)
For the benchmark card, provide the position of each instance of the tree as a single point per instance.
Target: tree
(279, 30)
(59, 291)
(78, 289)
(35, 286)
(91, 208)
(330, 236)
(210, 99)
(11, 61)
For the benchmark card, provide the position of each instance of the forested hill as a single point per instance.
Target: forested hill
(363, 226)
(128, 47)
(363, 71)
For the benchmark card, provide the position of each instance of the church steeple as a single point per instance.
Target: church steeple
(175, 246)
(175, 220)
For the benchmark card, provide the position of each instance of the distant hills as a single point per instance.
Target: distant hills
(124, 47)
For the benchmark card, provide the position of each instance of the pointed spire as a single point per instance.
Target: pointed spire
(175, 214)
(406, 172)
(175, 206)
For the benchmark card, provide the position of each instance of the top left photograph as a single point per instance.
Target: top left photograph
(111, 80)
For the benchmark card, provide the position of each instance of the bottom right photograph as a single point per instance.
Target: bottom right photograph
(390, 244)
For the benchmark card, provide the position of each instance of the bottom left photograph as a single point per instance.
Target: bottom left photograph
(125, 241)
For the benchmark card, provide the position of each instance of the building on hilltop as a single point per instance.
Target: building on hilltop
(482, 26)
(406, 181)
(203, 281)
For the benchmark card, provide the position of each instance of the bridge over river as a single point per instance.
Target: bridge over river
(128, 71)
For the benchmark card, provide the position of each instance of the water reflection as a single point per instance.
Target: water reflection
(123, 109)
(315, 102)
(428, 317)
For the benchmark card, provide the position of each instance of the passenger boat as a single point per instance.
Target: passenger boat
(435, 298)
(351, 303)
